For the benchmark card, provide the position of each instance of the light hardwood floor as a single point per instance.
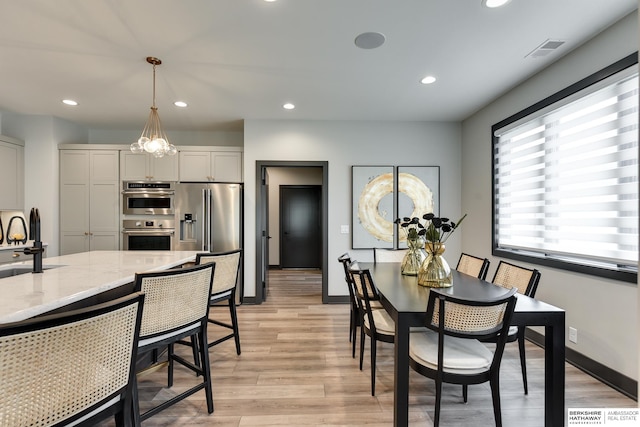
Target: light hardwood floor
(296, 370)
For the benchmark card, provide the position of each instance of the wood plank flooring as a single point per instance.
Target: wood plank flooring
(296, 370)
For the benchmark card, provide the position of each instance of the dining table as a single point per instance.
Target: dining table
(406, 302)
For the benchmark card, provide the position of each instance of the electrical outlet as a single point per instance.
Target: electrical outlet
(573, 335)
(344, 229)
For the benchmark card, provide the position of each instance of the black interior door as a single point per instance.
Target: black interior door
(300, 226)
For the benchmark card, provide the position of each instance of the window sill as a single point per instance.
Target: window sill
(621, 275)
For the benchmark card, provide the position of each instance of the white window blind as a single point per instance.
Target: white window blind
(566, 178)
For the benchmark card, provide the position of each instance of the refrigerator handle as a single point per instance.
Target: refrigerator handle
(209, 214)
(204, 219)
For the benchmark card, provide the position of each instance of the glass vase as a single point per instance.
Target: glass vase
(414, 257)
(435, 271)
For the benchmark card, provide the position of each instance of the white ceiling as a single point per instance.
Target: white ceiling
(242, 59)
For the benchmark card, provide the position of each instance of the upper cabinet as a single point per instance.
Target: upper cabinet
(11, 174)
(146, 167)
(210, 166)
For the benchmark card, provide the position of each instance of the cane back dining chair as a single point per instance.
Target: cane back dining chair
(450, 350)
(176, 307)
(526, 281)
(388, 255)
(71, 369)
(354, 312)
(224, 289)
(376, 323)
(473, 266)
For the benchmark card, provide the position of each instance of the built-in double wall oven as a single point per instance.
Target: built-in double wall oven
(148, 215)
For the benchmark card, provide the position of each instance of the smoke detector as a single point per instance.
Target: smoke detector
(545, 48)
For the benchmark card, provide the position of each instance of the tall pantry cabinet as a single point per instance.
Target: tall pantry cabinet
(89, 200)
(11, 174)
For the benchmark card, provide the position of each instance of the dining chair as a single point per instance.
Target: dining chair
(354, 312)
(224, 289)
(473, 265)
(376, 323)
(525, 281)
(449, 350)
(71, 369)
(176, 307)
(388, 255)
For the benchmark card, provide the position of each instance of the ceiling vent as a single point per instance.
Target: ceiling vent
(545, 48)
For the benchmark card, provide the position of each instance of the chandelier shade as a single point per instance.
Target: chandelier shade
(153, 139)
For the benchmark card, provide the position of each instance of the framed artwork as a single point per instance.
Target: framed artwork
(373, 207)
(418, 192)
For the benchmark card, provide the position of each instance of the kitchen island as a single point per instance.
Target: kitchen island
(79, 279)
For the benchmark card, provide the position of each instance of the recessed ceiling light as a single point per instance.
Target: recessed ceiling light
(69, 102)
(288, 106)
(494, 3)
(369, 40)
(180, 104)
(269, 1)
(428, 80)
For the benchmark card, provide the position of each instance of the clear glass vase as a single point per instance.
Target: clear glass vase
(435, 271)
(414, 257)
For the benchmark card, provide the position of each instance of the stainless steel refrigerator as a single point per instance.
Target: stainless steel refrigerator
(209, 219)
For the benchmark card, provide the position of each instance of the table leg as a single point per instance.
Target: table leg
(554, 350)
(401, 377)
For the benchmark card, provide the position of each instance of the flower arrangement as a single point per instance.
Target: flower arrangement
(432, 228)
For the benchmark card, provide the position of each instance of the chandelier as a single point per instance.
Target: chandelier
(153, 139)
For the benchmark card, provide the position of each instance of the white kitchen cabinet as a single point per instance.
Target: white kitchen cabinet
(213, 166)
(89, 200)
(146, 167)
(11, 174)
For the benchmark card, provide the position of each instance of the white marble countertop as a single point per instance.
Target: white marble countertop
(77, 277)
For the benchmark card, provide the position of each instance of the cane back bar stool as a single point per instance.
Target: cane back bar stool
(224, 289)
(176, 307)
(71, 369)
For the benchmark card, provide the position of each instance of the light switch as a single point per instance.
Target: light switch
(344, 229)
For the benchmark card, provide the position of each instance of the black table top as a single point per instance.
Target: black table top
(403, 294)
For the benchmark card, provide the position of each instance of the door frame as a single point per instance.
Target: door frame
(261, 167)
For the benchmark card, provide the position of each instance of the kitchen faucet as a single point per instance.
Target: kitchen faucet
(34, 232)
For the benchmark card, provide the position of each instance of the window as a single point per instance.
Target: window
(565, 177)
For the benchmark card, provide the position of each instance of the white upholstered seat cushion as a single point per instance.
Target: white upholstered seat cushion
(384, 323)
(461, 356)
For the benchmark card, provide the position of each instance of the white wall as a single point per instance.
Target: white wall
(604, 311)
(278, 176)
(343, 144)
(41, 136)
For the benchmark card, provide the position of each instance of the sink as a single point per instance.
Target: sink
(16, 271)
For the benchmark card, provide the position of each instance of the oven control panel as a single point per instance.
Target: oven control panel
(148, 224)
